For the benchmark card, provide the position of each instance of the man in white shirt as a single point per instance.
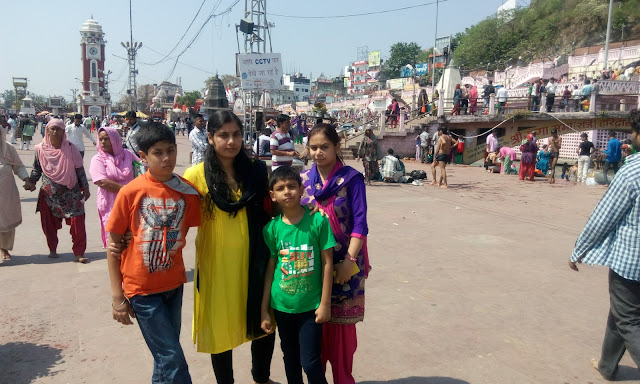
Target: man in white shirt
(198, 139)
(502, 99)
(391, 168)
(75, 131)
(262, 145)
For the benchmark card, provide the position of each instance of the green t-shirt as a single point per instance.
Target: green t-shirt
(297, 281)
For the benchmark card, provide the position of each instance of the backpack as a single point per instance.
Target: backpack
(418, 174)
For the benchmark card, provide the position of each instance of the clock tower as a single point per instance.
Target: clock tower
(94, 100)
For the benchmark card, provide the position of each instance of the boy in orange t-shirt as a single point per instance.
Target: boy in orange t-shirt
(158, 207)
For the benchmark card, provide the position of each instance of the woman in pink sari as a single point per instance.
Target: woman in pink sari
(111, 169)
(473, 100)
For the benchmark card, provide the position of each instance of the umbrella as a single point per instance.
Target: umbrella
(43, 113)
(138, 114)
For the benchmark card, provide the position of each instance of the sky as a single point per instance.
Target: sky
(46, 50)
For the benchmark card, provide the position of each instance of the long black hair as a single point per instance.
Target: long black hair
(213, 172)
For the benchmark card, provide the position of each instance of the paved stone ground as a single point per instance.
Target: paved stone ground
(470, 285)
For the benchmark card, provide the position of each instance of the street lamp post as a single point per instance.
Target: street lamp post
(75, 101)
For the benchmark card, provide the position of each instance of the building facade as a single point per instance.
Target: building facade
(300, 85)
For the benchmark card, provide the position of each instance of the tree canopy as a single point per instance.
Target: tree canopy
(401, 54)
(189, 98)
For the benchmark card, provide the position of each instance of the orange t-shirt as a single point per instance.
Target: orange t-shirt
(159, 218)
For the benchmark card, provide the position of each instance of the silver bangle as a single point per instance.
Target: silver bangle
(120, 305)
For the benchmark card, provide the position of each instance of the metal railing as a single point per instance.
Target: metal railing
(592, 103)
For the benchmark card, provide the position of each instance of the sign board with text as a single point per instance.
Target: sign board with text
(260, 71)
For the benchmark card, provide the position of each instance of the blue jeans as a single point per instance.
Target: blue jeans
(160, 317)
(301, 342)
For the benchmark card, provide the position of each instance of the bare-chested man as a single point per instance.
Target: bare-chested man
(441, 156)
(555, 143)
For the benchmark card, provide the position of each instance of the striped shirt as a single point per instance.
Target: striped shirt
(611, 237)
(199, 145)
(281, 142)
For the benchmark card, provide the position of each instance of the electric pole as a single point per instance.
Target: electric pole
(75, 101)
(132, 49)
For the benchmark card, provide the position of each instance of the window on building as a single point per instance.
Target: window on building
(94, 69)
(297, 89)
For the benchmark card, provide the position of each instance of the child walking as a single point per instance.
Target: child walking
(298, 279)
(147, 279)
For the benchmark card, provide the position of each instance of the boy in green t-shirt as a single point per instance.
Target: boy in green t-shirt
(295, 286)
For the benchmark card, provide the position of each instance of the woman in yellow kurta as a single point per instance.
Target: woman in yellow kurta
(231, 255)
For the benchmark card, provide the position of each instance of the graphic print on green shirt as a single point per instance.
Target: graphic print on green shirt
(297, 280)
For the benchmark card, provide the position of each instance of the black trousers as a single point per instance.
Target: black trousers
(261, 354)
(301, 342)
(605, 169)
(550, 100)
(623, 325)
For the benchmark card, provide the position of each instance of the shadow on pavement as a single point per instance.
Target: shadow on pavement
(25, 362)
(420, 380)
(44, 259)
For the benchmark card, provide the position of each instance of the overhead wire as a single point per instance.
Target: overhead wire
(357, 14)
(193, 40)
(166, 57)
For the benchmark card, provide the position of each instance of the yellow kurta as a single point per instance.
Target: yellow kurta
(221, 273)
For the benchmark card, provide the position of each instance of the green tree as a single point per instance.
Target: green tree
(190, 98)
(8, 98)
(400, 54)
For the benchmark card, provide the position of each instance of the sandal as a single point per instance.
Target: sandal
(6, 255)
(53, 255)
(81, 259)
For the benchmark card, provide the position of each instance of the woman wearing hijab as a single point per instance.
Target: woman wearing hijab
(10, 212)
(231, 255)
(111, 169)
(63, 191)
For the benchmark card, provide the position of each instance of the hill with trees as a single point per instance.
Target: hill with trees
(545, 29)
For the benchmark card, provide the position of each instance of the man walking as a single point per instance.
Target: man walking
(132, 126)
(75, 131)
(198, 139)
(555, 143)
(614, 154)
(585, 149)
(610, 239)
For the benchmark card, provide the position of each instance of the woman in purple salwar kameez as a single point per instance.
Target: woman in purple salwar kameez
(340, 192)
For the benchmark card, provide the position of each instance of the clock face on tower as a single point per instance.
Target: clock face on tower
(93, 52)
